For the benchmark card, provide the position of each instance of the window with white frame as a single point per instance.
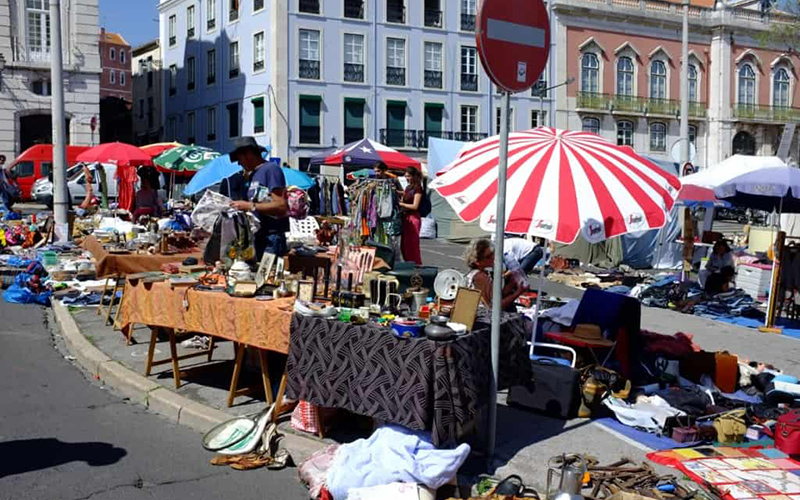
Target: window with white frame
(658, 80)
(211, 124)
(692, 72)
(37, 17)
(469, 119)
(658, 137)
(173, 79)
(122, 78)
(122, 56)
(112, 53)
(469, 69)
(395, 61)
(173, 23)
(211, 15)
(591, 124)
(590, 73)
(190, 73)
(538, 118)
(190, 21)
(259, 52)
(433, 65)
(211, 67)
(780, 88)
(233, 10)
(190, 138)
(354, 58)
(624, 133)
(693, 134)
(233, 60)
(468, 15)
(747, 85)
(112, 76)
(625, 77)
(309, 54)
(498, 120)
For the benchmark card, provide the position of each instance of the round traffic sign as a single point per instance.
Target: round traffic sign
(513, 38)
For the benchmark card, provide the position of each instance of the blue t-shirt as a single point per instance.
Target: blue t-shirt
(265, 179)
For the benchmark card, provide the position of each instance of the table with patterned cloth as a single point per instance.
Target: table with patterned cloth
(417, 383)
(110, 264)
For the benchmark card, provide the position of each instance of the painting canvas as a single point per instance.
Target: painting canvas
(264, 268)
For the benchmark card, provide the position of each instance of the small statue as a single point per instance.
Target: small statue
(325, 234)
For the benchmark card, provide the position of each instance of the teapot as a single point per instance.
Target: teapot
(239, 271)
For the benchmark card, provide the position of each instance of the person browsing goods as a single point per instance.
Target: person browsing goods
(266, 196)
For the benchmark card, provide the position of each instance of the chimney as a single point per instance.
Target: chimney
(102, 31)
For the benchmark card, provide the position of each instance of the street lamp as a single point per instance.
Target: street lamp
(542, 92)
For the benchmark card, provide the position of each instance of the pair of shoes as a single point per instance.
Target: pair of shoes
(197, 342)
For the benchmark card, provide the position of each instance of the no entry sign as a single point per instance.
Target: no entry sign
(513, 38)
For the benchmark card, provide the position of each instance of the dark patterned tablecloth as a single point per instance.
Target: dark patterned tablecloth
(417, 383)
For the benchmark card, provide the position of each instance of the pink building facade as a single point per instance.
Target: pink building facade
(115, 59)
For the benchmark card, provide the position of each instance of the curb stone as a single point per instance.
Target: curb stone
(155, 397)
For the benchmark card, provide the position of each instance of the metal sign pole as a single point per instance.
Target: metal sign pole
(497, 285)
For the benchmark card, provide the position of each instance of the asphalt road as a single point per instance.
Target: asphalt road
(63, 436)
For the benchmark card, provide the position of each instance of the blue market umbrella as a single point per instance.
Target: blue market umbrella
(221, 168)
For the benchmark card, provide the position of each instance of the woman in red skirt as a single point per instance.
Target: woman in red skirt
(412, 197)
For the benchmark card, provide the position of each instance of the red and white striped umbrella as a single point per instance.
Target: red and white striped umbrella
(560, 184)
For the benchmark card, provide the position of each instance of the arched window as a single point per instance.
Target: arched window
(747, 85)
(658, 80)
(591, 124)
(693, 96)
(590, 73)
(625, 76)
(780, 88)
(658, 137)
(624, 133)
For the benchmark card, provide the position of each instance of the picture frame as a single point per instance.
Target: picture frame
(280, 269)
(305, 290)
(264, 268)
(465, 307)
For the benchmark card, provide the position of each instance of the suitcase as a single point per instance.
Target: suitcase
(787, 433)
(555, 389)
(726, 371)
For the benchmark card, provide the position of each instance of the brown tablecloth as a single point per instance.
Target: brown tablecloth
(109, 264)
(417, 383)
(261, 324)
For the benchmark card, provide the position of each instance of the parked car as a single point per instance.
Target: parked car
(76, 185)
(42, 190)
(36, 163)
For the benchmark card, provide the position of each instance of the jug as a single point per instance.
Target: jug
(565, 475)
(419, 298)
(392, 304)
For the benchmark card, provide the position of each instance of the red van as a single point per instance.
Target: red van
(36, 162)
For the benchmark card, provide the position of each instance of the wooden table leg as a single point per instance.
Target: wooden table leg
(237, 369)
(210, 348)
(262, 355)
(279, 398)
(173, 351)
(102, 296)
(150, 350)
(116, 325)
(111, 304)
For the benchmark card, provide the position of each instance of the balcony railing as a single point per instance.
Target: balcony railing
(211, 79)
(467, 22)
(173, 40)
(395, 76)
(354, 9)
(395, 14)
(757, 112)
(669, 107)
(697, 109)
(190, 33)
(418, 139)
(309, 6)
(628, 104)
(433, 79)
(354, 72)
(234, 72)
(469, 82)
(211, 24)
(233, 15)
(593, 101)
(433, 18)
(309, 69)
(258, 65)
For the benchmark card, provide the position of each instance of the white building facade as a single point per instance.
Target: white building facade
(25, 103)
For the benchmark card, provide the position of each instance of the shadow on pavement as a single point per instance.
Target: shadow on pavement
(27, 455)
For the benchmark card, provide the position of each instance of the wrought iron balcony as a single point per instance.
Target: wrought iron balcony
(395, 76)
(469, 82)
(697, 109)
(211, 24)
(173, 40)
(233, 15)
(309, 6)
(667, 107)
(395, 13)
(433, 18)
(211, 79)
(309, 69)
(190, 33)
(258, 5)
(309, 135)
(433, 79)
(234, 72)
(755, 112)
(418, 139)
(593, 101)
(467, 22)
(354, 72)
(628, 104)
(354, 9)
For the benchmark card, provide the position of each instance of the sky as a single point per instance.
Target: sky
(135, 20)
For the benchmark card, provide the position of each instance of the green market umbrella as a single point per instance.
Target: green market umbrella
(184, 160)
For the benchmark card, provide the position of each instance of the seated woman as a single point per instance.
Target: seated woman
(720, 258)
(147, 202)
(479, 256)
(720, 282)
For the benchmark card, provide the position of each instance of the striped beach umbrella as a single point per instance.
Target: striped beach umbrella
(184, 160)
(561, 184)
